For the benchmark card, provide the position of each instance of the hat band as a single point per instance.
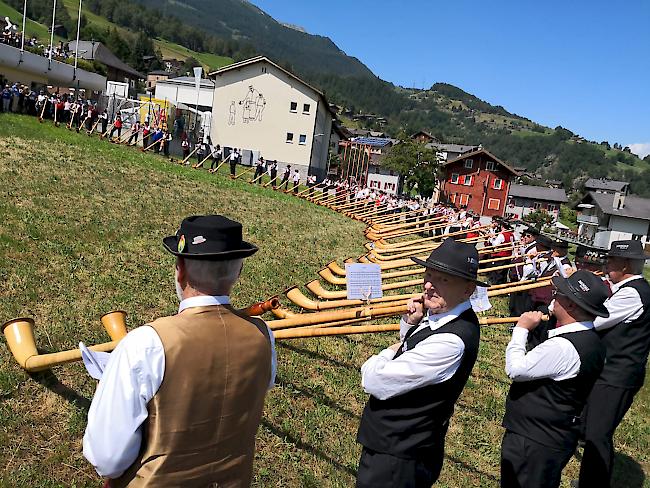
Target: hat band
(581, 296)
(453, 270)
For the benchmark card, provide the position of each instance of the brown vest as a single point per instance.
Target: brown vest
(202, 422)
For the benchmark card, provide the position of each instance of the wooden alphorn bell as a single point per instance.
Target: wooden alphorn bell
(19, 334)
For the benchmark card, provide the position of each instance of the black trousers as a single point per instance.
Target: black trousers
(527, 464)
(605, 409)
(378, 470)
(233, 167)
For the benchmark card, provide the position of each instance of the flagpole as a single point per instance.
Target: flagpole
(22, 41)
(49, 64)
(76, 51)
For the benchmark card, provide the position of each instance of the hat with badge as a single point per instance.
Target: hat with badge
(209, 237)
(586, 290)
(544, 241)
(533, 231)
(454, 258)
(627, 249)
(559, 244)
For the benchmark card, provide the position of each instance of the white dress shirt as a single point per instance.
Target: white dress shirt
(132, 377)
(434, 360)
(624, 305)
(555, 358)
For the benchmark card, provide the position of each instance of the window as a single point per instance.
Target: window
(491, 166)
(464, 199)
(263, 69)
(497, 184)
(290, 137)
(636, 237)
(293, 108)
(551, 207)
(453, 198)
(468, 180)
(305, 108)
(494, 203)
(302, 140)
(537, 206)
(454, 178)
(469, 163)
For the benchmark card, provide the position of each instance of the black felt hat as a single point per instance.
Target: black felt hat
(545, 241)
(533, 231)
(209, 237)
(454, 258)
(586, 290)
(627, 250)
(560, 244)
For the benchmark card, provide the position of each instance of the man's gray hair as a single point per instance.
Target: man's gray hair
(213, 276)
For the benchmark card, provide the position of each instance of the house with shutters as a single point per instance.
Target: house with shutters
(525, 199)
(478, 180)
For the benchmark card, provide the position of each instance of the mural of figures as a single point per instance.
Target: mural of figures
(232, 111)
(252, 106)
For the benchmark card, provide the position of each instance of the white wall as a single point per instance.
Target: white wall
(175, 93)
(251, 110)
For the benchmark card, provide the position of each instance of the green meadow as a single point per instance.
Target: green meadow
(80, 235)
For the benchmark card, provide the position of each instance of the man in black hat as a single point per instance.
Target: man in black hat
(520, 301)
(504, 237)
(181, 398)
(557, 263)
(626, 336)
(551, 383)
(415, 383)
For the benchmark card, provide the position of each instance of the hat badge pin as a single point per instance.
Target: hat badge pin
(583, 286)
(181, 243)
(198, 240)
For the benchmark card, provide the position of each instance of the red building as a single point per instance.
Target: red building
(479, 180)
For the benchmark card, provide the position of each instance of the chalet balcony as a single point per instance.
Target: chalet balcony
(587, 219)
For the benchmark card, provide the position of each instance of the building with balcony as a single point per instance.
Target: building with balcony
(525, 199)
(607, 217)
(603, 185)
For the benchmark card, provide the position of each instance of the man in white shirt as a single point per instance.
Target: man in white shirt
(626, 335)
(414, 384)
(551, 383)
(181, 398)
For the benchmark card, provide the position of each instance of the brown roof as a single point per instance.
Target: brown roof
(488, 154)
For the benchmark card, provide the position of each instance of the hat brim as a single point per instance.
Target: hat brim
(640, 256)
(170, 243)
(562, 285)
(446, 269)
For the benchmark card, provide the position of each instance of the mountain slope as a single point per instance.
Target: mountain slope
(242, 21)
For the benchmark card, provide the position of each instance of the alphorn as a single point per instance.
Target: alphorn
(40, 118)
(247, 170)
(366, 329)
(145, 149)
(270, 182)
(218, 167)
(188, 157)
(19, 334)
(200, 164)
(92, 129)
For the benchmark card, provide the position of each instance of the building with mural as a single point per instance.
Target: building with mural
(265, 110)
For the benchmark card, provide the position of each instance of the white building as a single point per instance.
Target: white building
(261, 107)
(183, 90)
(607, 217)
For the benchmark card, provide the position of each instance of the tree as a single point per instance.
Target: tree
(415, 163)
(539, 218)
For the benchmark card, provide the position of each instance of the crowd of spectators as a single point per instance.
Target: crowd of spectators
(12, 37)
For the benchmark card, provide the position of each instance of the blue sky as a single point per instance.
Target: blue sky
(581, 64)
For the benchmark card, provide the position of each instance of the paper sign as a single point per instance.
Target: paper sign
(479, 300)
(94, 361)
(363, 281)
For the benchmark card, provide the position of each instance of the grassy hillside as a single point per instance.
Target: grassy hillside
(81, 235)
(168, 49)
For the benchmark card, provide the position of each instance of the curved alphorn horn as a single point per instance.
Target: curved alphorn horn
(19, 334)
(365, 329)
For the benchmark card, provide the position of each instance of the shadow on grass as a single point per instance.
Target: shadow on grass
(317, 397)
(468, 467)
(49, 380)
(314, 451)
(628, 473)
(316, 355)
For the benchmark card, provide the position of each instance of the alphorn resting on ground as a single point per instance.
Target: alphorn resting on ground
(19, 334)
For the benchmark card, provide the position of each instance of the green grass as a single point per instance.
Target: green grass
(82, 222)
(33, 29)
(210, 62)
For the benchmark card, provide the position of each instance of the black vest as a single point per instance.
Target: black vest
(548, 411)
(411, 425)
(628, 344)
